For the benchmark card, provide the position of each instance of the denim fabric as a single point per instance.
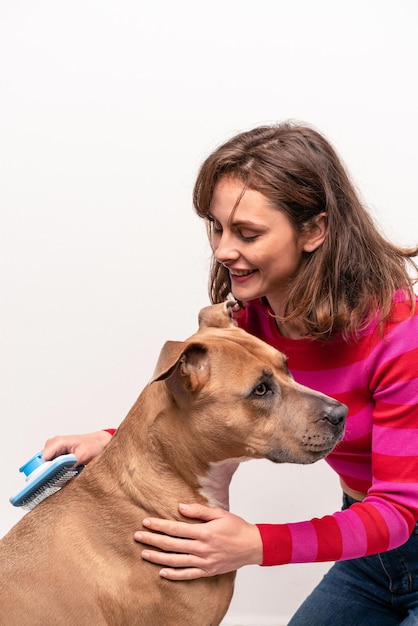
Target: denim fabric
(377, 590)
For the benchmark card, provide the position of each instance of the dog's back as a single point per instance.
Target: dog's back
(73, 560)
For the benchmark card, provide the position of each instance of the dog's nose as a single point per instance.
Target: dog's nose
(336, 413)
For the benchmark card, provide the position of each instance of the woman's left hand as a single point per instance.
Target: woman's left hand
(222, 544)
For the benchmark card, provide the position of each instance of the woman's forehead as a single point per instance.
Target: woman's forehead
(233, 201)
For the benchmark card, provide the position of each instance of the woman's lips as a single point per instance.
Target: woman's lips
(241, 276)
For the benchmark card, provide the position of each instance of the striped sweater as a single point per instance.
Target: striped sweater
(377, 378)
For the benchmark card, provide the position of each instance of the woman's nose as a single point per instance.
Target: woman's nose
(224, 250)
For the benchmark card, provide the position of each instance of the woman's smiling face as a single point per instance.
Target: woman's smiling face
(256, 242)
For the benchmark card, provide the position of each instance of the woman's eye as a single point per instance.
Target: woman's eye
(247, 237)
(216, 227)
(261, 389)
(247, 234)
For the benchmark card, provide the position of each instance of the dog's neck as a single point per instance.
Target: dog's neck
(215, 483)
(159, 468)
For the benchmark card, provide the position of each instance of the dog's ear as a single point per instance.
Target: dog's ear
(168, 359)
(189, 361)
(218, 315)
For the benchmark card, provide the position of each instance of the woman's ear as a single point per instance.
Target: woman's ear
(315, 233)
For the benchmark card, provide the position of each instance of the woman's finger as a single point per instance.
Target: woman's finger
(177, 566)
(183, 573)
(166, 543)
(200, 512)
(171, 559)
(173, 528)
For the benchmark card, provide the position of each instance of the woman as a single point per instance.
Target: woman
(296, 248)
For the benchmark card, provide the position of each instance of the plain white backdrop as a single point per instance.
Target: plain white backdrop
(107, 108)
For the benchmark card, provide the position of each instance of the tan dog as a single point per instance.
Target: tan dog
(216, 399)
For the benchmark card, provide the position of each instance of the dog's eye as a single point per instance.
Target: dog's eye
(261, 389)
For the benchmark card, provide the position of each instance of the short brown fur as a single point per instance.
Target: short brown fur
(73, 560)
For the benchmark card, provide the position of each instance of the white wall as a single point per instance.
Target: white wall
(107, 107)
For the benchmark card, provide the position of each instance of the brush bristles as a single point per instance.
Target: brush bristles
(49, 488)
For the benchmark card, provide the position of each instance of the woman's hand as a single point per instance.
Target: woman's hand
(84, 447)
(223, 544)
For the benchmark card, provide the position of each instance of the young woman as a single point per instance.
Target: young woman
(296, 248)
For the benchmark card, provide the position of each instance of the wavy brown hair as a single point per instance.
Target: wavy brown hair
(354, 273)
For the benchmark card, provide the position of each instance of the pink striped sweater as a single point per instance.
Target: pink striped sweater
(377, 378)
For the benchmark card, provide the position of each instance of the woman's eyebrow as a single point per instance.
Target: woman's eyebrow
(238, 223)
(247, 223)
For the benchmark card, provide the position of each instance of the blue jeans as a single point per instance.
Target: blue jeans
(377, 590)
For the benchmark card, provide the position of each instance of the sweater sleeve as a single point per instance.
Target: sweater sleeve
(386, 517)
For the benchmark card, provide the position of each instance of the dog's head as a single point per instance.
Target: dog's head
(230, 386)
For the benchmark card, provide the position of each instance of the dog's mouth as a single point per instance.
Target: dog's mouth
(308, 452)
(303, 459)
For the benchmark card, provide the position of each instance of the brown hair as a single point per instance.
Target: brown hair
(355, 272)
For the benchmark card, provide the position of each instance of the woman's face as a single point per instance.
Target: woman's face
(256, 243)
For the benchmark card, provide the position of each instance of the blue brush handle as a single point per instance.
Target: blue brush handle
(32, 464)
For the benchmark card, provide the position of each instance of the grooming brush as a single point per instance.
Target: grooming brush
(43, 478)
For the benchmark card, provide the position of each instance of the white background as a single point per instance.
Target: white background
(107, 108)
